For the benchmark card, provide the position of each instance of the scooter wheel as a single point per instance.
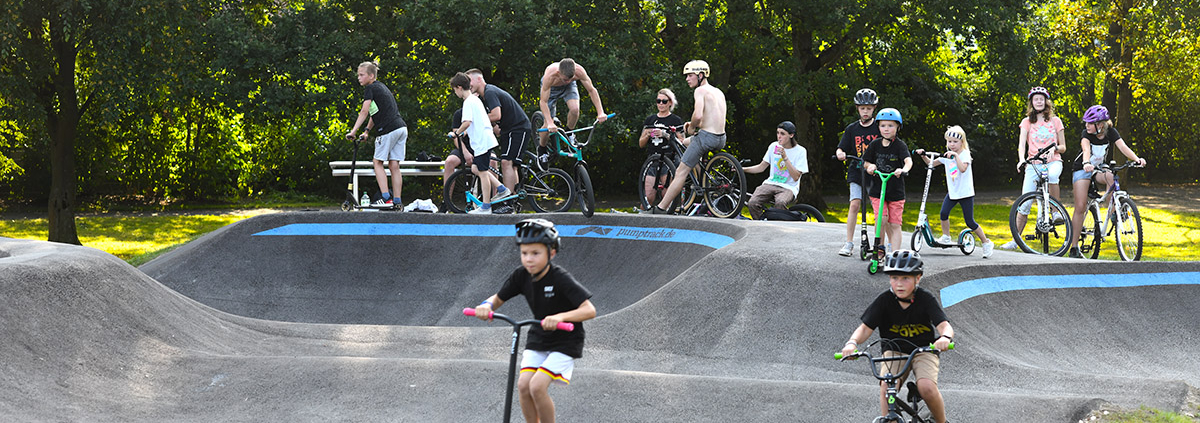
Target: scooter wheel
(966, 241)
(864, 253)
(873, 268)
(346, 206)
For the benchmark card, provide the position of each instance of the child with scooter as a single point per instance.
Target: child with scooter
(960, 187)
(554, 297)
(887, 157)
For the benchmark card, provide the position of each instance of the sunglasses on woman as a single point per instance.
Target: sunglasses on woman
(661, 101)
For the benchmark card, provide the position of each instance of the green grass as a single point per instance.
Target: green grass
(1166, 235)
(1146, 415)
(135, 239)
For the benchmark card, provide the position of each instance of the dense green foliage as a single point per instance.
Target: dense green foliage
(202, 99)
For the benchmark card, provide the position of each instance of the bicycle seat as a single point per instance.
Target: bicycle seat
(914, 394)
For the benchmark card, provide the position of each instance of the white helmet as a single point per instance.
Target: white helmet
(696, 66)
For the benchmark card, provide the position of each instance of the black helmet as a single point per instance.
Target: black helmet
(788, 126)
(537, 231)
(903, 262)
(866, 96)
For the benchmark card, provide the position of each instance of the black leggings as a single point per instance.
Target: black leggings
(968, 208)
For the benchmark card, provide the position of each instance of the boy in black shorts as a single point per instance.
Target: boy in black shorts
(908, 312)
(554, 296)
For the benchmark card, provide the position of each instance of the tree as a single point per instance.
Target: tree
(64, 59)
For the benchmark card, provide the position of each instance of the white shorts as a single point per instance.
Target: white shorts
(1054, 170)
(392, 145)
(554, 364)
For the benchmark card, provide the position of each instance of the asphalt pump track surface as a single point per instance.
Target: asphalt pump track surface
(330, 316)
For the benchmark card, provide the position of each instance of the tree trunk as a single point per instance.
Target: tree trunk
(62, 125)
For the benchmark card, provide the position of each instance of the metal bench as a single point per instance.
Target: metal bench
(341, 168)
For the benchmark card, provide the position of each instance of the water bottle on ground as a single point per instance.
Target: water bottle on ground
(365, 200)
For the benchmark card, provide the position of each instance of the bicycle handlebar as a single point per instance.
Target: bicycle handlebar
(566, 326)
(608, 116)
(856, 354)
(1110, 166)
(1039, 157)
(848, 157)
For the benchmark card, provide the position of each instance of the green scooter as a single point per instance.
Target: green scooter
(878, 251)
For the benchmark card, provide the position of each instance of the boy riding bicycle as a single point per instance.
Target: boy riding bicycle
(707, 125)
(554, 296)
(907, 314)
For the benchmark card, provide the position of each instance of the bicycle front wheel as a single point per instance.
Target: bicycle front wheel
(1089, 235)
(550, 191)
(653, 180)
(1129, 230)
(584, 191)
(724, 185)
(454, 194)
(1048, 227)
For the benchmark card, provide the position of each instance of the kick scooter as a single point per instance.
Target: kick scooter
(966, 238)
(512, 354)
(878, 252)
(864, 250)
(352, 203)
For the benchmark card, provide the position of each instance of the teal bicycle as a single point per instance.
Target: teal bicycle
(567, 144)
(546, 191)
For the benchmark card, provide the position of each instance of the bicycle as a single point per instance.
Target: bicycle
(566, 144)
(659, 167)
(550, 190)
(1050, 224)
(1122, 222)
(864, 250)
(718, 179)
(896, 407)
(923, 234)
(512, 352)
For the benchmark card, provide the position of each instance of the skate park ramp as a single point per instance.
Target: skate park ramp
(744, 332)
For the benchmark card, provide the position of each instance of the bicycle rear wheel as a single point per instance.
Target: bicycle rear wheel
(1089, 235)
(1043, 234)
(724, 186)
(454, 194)
(659, 171)
(550, 191)
(1129, 231)
(584, 191)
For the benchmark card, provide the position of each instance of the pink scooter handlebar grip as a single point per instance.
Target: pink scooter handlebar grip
(470, 312)
(567, 326)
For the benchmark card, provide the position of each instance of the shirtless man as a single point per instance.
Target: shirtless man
(559, 82)
(709, 118)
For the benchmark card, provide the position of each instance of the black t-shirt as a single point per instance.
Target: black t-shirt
(855, 140)
(661, 145)
(917, 323)
(887, 159)
(555, 293)
(1101, 148)
(511, 115)
(387, 118)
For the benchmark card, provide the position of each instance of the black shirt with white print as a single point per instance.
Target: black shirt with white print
(1101, 150)
(557, 292)
(887, 159)
(661, 145)
(855, 140)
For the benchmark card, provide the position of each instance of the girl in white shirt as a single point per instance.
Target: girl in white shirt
(960, 186)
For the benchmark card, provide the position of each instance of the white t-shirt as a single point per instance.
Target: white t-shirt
(779, 173)
(959, 183)
(480, 130)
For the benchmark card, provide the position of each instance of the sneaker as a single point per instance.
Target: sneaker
(846, 250)
(988, 247)
(1011, 245)
(543, 157)
(382, 204)
(1057, 217)
(945, 240)
(480, 211)
(502, 210)
(571, 137)
(656, 210)
(1075, 253)
(502, 192)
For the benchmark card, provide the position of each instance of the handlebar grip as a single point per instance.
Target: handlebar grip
(567, 326)
(543, 130)
(610, 115)
(837, 356)
(471, 312)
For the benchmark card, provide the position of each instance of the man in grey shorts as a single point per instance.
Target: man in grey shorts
(559, 82)
(708, 119)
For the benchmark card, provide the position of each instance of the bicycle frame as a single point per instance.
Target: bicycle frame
(1113, 220)
(896, 406)
(563, 145)
(521, 191)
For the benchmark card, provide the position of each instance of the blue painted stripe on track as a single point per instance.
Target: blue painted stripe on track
(688, 236)
(961, 291)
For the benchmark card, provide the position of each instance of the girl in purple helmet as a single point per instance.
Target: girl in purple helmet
(1098, 135)
(1039, 128)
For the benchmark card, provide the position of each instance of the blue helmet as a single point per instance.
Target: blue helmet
(890, 114)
